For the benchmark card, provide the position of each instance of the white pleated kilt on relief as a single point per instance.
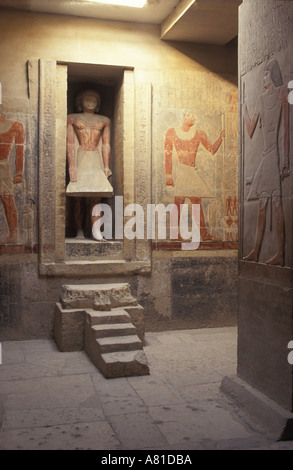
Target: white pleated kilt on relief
(190, 184)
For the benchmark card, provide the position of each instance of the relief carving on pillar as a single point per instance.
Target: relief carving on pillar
(271, 113)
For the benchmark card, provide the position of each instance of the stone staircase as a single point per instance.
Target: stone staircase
(112, 343)
(106, 321)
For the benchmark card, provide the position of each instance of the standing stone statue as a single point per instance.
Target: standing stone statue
(88, 154)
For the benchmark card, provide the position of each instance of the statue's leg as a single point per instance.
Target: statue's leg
(79, 216)
(96, 228)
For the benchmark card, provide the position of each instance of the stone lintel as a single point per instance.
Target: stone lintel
(105, 268)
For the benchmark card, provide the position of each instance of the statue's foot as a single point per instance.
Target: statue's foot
(277, 260)
(97, 235)
(253, 256)
(99, 239)
(80, 235)
(102, 239)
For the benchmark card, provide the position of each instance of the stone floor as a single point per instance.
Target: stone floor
(53, 400)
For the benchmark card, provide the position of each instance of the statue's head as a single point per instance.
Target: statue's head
(88, 95)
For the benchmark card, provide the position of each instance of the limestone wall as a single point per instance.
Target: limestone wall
(147, 85)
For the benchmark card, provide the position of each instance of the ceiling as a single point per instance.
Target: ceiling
(198, 21)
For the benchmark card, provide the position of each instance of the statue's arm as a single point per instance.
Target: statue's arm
(106, 148)
(71, 150)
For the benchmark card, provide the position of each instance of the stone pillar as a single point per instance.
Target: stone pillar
(266, 206)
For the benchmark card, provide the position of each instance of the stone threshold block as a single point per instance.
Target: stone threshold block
(107, 322)
(91, 249)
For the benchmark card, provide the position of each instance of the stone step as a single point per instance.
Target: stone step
(124, 364)
(119, 343)
(107, 321)
(93, 317)
(118, 363)
(115, 329)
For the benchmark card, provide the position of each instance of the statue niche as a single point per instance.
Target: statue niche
(88, 156)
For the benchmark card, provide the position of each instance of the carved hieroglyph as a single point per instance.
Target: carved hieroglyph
(11, 132)
(267, 32)
(271, 109)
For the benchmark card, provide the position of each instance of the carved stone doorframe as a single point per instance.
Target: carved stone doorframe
(133, 123)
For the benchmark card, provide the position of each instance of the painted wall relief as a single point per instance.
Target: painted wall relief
(188, 184)
(196, 153)
(11, 135)
(88, 154)
(201, 167)
(271, 113)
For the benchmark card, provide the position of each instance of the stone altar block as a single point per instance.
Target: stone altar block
(107, 322)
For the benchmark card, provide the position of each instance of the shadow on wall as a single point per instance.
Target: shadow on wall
(222, 60)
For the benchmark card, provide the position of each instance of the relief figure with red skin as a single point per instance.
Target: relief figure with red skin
(11, 133)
